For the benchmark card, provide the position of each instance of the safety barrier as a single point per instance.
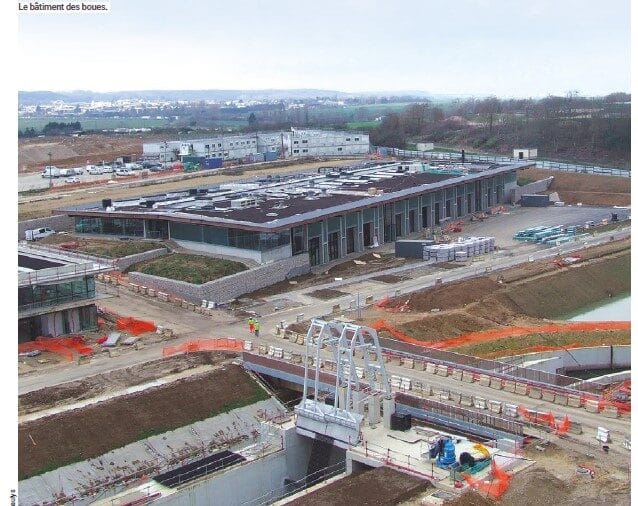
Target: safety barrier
(221, 344)
(135, 326)
(495, 488)
(68, 347)
(500, 333)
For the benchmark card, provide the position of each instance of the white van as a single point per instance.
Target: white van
(123, 172)
(38, 233)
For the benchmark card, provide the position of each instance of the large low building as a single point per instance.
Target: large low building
(327, 214)
(56, 293)
(270, 146)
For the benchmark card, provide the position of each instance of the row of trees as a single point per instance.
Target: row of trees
(593, 129)
(52, 128)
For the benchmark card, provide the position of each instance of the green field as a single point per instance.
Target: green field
(130, 122)
(362, 125)
(189, 268)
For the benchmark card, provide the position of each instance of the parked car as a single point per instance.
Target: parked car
(74, 179)
(123, 172)
(38, 233)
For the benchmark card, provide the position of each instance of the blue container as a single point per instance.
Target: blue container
(212, 163)
(270, 156)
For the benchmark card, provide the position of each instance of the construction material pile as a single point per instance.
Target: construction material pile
(552, 236)
(459, 250)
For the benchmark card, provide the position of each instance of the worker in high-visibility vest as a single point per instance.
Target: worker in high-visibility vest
(251, 324)
(256, 328)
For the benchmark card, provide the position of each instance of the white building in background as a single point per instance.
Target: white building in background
(268, 146)
(525, 153)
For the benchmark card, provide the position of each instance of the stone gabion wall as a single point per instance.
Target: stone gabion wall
(230, 287)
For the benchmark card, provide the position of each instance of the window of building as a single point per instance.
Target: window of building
(356, 138)
(347, 138)
(305, 141)
(219, 145)
(339, 149)
(304, 150)
(295, 151)
(295, 142)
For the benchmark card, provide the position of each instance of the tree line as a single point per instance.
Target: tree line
(52, 128)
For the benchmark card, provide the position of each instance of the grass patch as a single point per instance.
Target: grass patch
(119, 249)
(189, 268)
(522, 344)
(259, 394)
(522, 181)
(362, 125)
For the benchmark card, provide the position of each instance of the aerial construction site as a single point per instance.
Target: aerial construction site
(356, 330)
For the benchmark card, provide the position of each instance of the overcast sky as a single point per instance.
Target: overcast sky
(480, 47)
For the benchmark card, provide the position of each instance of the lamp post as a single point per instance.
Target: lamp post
(50, 170)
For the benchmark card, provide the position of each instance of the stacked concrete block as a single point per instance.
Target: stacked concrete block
(455, 397)
(560, 399)
(143, 290)
(457, 374)
(409, 363)
(468, 377)
(444, 395)
(480, 403)
(534, 393)
(419, 365)
(430, 367)
(484, 380)
(406, 384)
(441, 370)
(466, 400)
(495, 406)
(575, 427)
(496, 383)
(574, 401)
(395, 381)
(262, 349)
(510, 410)
(548, 395)
(369, 300)
(133, 287)
(592, 405)
(521, 388)
(509, 386)
(151, 292)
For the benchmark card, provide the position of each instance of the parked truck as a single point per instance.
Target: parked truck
(51, 171)
(38, 233)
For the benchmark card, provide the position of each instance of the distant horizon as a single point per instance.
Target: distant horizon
(326, 91)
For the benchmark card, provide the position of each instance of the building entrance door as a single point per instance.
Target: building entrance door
(367, 234)
(350, 242)
(333, 246)
(314, 246)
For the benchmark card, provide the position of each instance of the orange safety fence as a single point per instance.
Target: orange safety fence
(68, 347)
(500, 333)
(135, 326)
(494, 489)
(546, 419)
(221, 344)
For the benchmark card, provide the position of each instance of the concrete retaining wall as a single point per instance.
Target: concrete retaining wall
(535, 187)
(561, 361)
(125, 262)
(230, 287)
(58, 222)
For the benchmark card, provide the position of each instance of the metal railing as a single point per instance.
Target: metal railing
(543, 164)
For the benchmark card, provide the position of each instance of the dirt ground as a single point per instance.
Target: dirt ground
(100, 384)
(43, 205)
(379, 487)
(365, 263)
(522, 296)
(76, 151)
(589, 189)
(102, 427)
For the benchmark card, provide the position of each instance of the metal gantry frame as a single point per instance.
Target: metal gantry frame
(344, 341)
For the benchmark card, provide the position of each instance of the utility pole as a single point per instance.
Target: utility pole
(50, 170)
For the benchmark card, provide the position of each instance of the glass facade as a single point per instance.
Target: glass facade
(59, 293)
(110, 226)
